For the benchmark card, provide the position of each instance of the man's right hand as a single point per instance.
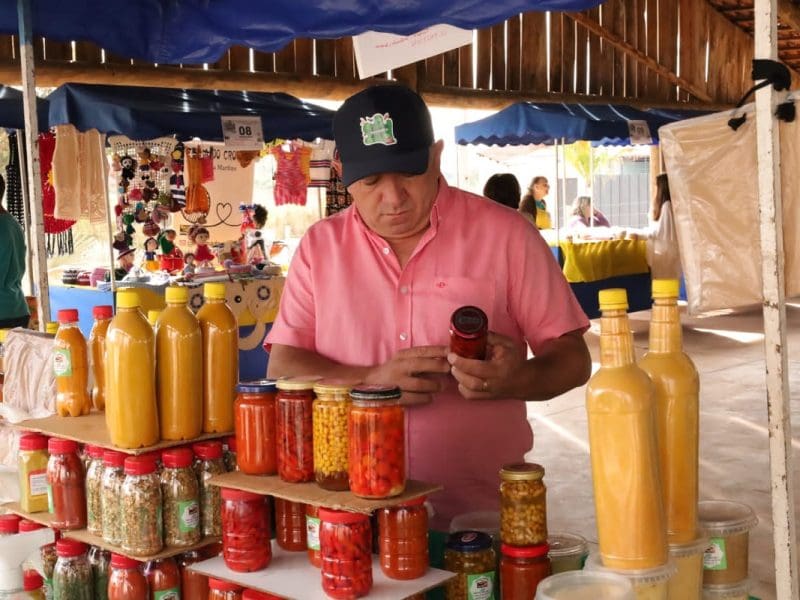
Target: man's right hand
(417, 371)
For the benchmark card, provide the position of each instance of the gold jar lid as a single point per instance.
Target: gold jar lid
(297, 384)
(334, 386)
(524, 471)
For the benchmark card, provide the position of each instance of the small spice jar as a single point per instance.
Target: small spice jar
(111, 496)
(470, 555)
(376, 428)
(65, 485)
(9, 524)
(403, 540)
(209, 463)
(345, 541)
(32, 463)
(194, 585)
(245, 531)
(94, 490)
(521, 570)
(523, 508)
(222, 590)
(126, 580)
(469, 329)
(141, 507)
(331, 408)
(254, 412)
(180, 493)
(294, 429)
(312, 535)
(72, 575)
(290, 525)
(100, 562)
(229, 456)
(164, 579)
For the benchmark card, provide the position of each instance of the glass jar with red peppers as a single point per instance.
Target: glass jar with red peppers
(295, 429)
(521, 570)
(290, 525)
(469, 328)
(222, 590)
(312, 535)
(254, 412)
(403, 539)
(345, 541)
(245, 531)
(194, 585)
(66, 485)
(376, 428)
(126, 580)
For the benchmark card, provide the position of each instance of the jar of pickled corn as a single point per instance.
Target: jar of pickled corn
(470, 555)
(331, 408)
(523, 509)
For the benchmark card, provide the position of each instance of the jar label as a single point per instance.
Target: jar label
(48, 588)
(37, 482)
(312, 532)
(170, 594)
(50, 508)
(480, 586)
(188, 516)
(62, 362)
(715, 558)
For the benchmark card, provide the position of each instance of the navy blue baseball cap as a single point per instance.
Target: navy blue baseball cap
(383, 129)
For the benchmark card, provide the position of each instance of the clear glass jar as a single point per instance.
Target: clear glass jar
(126, 580)
(32, 466)
(245, 531)
(222, 590)
(72, 575)
(403, 540)
(523, 509)
(345, 541)
(521, 570)
(331, 407)
(229, 456)
(376, 429)
(471, 556)
(254, 412)
(49, 559)
(312, 535)
(141, 507)
(164, 579)
(66, 493)
(180, 493)
(209, 463)
(111, 496)
(295, 430)
(290, 525)
(94, 485)
(100, 561)
(194, 585)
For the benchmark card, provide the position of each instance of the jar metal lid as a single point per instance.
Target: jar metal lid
(522, 472)
(297, 384)
(566, 544)
(469, 541)
(375, 392)
(334, 386)
(469, 321)
(257, 386)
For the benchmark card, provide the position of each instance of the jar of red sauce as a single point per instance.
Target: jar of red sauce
(295, 429)
(194, 585)
(521, 570)
(164, 579)
(245, 531)
(312, 535)
(345, 541)
(66, 490)
(376, 428)
(403, 540)
(469, 328)
(126, 581)
(255, 595)
(254, 412)
(290, 525)
(222, 590)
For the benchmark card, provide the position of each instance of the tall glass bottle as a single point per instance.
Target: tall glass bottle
(624, 452)
(677, 387)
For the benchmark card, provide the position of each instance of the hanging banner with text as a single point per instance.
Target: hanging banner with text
(242, 133)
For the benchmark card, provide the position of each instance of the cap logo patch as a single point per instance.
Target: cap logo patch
(378, 129)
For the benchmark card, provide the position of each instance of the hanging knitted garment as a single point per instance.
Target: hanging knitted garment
(292, 175)
(15, 202)
(59, 234)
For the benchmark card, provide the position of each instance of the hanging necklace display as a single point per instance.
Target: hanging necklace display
(14, 199)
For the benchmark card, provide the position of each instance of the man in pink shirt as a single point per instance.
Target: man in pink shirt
(371, 290)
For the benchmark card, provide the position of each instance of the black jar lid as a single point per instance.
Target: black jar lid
(375, 392)
(469, 321)
(469, 541)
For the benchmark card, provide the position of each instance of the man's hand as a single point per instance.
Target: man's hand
(417, 371)
(484, 379)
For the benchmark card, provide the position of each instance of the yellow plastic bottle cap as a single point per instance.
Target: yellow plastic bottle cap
(177, 295)
(152, 316)
(128, 299)
(214, 291)
(51, 327)
(3, 333)
(666, 288)
(613, 299)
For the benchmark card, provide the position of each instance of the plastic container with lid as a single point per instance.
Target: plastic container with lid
(163, 578)
(522, 568)
(222, 590)
(72, 575)
(331, 408)
(585, 585)
(9, 524)
(71, 366)
(648, 584)
(100, 562)
(256, 444)
(403, 540)
(110, 496)
(181, 497)
(345, 540)
(471, 556)
(97, 348)
(523, 505)
(220, 359)
(126, 581)
(130, 376)
(727, 525)
(229, 455)
(32, 468)
(294, 429)
(209, 463)
(94, 491)
(568, 552)
(66, 492)
(141, 507)
(245, 531)
(730, 591)
(312, 535)
(179, 362)
(376, 429)
(290, 525)
(687, 582)
(469, 329)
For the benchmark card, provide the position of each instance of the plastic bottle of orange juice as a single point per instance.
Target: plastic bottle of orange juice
(677, 412)
(624, 452)
(71, 366)
(220, 359)
(179, 359)
(130, 374)
(97, 347)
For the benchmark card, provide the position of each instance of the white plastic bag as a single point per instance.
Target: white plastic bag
(663, 254)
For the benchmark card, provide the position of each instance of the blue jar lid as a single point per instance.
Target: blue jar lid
(469, 541)
(257, 386)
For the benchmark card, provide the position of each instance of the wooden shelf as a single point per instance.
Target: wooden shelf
(311, 493)
(290, 575)
(91, 429)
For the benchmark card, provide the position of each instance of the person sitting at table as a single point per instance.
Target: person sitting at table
(582, 214)
(504, 189)
(533, 205)
(663, 255)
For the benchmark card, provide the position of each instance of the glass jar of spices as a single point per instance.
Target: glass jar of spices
(523, 509)
(94, 491)
(294, 429)
(331, 407)
(141, 507)
(32, 465)
(471, 556)
(254, 412)
(180, 493)
(111, 496)
(72, 575)
(208, 464)
(65, 485)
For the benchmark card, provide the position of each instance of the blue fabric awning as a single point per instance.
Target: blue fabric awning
(11, 111)
(198, 31)
(143, 113)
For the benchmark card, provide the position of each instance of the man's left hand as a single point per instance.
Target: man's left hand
(490, 378)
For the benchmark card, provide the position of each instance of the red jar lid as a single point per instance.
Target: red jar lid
(70, 548)
(341, 516)
(224, 586)
(68, 315)
(469, 322)
(177, 458)
(104, 311)
(118, 561)
(140, 465)
(112, 458)
(33, 441)
(32, 581)
(525, 551)
(94, 451)
(231, 494)
(208, 450)
(9, 523)
(59, 446)
(25, 526)
(230, 442)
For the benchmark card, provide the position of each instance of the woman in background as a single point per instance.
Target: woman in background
(534, 206)
(582, 214)
(503, 188)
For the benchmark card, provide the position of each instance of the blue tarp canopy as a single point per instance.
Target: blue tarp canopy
(144, 113)
(11, 112)
(541, 123)
(198, 31)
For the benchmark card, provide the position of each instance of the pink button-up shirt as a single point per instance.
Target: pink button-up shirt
(348, 299)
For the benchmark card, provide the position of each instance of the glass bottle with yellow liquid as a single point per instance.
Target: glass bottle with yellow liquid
(677, 387)
(130, 374)
(179, 359)
(97, 347)
(624, 452)
(220, 359)
(71, 366)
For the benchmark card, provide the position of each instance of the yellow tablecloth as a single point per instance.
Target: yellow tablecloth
(593, 261)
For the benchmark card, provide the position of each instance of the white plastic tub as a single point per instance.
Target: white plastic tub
(585, 585)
